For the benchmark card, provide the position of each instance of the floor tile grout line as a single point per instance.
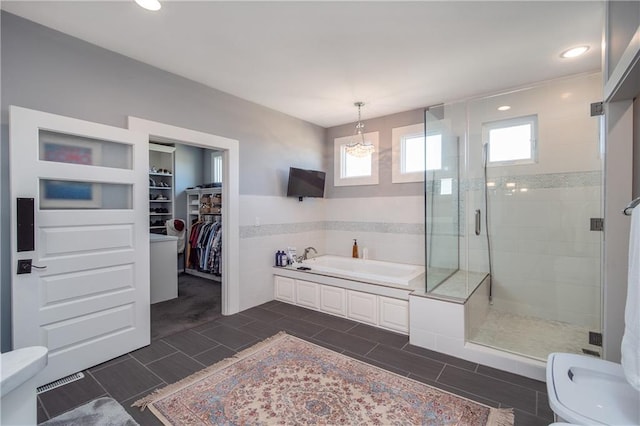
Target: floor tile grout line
(458, 392)
(370, 350)
(444, 365)
(453, 366)
(158, 359)
(99, 383)
(144, 393)
(150, 370)
(505, 381)
(206, 350)
(98, 368)
(46, 412)
(318, 332)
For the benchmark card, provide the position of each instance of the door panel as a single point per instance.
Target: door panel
(89, 300)
(66, 287)
(67, 240)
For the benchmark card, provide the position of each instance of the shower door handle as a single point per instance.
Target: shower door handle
(477, 221)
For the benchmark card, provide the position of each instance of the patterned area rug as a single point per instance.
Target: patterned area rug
(286, 380)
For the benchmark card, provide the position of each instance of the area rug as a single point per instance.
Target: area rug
(286, 380)
(99, 412)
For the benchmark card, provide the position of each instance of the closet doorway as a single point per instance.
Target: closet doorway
(196, 287)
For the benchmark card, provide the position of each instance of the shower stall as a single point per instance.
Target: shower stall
(514, 201)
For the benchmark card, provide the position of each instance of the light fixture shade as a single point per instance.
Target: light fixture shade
(358, 146)
(360, 150)
(152, 5)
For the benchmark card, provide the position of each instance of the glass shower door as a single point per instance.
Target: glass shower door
(535, 171)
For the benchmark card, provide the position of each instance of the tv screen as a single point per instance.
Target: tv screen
(305, 183)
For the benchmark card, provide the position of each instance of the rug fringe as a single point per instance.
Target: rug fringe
(162, 392)
(501, 417)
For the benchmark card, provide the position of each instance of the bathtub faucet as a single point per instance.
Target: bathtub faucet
(305, 255)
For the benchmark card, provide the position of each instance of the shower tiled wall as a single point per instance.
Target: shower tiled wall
(546, 261)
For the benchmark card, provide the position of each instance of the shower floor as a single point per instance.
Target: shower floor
(529, 336)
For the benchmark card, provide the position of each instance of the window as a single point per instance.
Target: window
(409, 155)
(216, 167)
(511, 141)
(351, 170)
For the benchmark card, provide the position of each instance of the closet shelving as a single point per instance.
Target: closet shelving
(204, 205)
(161, 185)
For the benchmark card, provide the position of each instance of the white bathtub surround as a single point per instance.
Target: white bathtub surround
(379, 306)
(371, 292)
(370, 271)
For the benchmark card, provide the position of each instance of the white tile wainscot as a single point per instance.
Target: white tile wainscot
(378, 305)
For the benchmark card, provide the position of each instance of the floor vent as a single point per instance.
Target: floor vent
(60, 382)
(590, 352)
(595, 338)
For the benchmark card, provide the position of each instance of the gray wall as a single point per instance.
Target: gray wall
(189, 172)
(385, 188)
(49, 71)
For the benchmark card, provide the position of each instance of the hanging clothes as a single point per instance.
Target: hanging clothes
(205, 247)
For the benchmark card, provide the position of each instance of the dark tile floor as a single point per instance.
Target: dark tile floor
(171, 358)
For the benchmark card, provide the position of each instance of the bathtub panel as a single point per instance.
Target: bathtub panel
(393, 314)
(333, 300)
(284, 289)
(362, 307)
(307, 294)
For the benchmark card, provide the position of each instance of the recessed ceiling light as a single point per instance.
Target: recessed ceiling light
(504, 108)
(149, 4)
(574, 52)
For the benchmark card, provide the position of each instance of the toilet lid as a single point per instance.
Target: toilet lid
(588, 390)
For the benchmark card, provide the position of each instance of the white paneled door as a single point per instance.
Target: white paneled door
(86, 296)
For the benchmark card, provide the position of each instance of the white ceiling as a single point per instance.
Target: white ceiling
(312, 60)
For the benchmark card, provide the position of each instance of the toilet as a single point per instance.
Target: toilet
(585, 390)
(18, 372)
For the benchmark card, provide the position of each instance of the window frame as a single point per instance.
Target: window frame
(511, 122)
(216, 167)
(398, 136)
(338, 161)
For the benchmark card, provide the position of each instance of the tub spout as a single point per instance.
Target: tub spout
(305, 255)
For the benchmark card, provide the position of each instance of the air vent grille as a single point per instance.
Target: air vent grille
(60, 382)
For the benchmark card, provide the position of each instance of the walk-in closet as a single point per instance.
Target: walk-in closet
(185, 227)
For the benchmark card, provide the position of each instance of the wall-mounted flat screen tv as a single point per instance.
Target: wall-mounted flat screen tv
(305, 183)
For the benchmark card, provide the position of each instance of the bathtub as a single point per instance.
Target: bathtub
(373, 271)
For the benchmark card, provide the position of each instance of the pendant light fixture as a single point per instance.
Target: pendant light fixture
(358, 147)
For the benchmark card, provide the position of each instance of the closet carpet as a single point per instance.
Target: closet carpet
(199, 301)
